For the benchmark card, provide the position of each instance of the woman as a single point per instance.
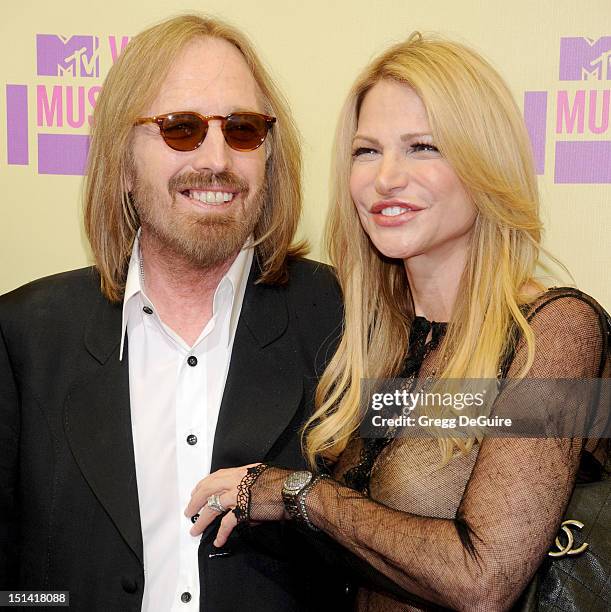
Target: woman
(435, 233)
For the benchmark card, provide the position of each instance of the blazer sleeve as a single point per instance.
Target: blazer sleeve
(9, 448)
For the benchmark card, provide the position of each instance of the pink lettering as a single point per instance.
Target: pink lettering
(568, 115)
(92, 96)
(80, 106)
(49, 113)
(604, 115)
(112, 41)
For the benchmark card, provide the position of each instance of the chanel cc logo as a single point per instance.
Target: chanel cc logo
(567, 549)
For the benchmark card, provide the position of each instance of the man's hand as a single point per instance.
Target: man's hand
(223, 483)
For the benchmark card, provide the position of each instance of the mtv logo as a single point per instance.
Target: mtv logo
(74, 56)
(583, 59)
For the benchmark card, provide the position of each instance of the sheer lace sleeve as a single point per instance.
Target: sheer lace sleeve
(512, 504)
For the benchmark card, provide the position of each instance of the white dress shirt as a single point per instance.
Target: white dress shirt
(175, 397)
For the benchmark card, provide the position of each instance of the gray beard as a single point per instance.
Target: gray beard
(201, 241)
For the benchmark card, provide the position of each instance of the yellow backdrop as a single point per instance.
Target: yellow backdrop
(314, 50)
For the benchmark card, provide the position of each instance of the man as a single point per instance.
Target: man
(194, 344)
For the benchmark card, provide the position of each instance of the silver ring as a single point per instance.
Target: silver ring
(214, 503)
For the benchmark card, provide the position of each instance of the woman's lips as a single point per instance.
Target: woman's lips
(389, 213)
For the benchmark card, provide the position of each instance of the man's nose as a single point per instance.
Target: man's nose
(214, 154)
(393, 174)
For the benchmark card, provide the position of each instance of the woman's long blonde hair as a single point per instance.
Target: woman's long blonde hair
(479, 129)
(132, 84)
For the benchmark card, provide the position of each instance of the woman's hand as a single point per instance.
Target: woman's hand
(223, 483)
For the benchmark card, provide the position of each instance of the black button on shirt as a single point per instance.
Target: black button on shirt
(147, 309)
(192, 440)
(185, 597)
(192, 361)
(129, 585)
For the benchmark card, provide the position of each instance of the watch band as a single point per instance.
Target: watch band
(295, 504)
(293, 485)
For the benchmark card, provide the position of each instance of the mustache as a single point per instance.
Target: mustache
(205, 180)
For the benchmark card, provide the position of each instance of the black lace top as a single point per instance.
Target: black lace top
(470, 534)
(357, 477)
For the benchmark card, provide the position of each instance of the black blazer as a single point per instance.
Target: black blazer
(69, 515)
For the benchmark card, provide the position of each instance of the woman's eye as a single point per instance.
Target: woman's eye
(361, 151)
(424, 147)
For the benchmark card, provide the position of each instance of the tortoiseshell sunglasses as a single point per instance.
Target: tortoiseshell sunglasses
(186, 130)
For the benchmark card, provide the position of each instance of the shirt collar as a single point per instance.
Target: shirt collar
(234, 281)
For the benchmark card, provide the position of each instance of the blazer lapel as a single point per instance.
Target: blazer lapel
(98, 426)
(264, 384)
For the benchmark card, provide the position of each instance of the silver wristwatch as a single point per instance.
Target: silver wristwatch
(293, 491)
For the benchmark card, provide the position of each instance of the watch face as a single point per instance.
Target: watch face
(296, 481)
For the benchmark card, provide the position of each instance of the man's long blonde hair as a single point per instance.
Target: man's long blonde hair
(132, 84)
(478, 128)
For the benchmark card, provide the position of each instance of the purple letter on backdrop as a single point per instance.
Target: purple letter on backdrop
(17, 125)
(582, 59)
(75, 56)
(62, 153)
(583, 162)
(535, 117)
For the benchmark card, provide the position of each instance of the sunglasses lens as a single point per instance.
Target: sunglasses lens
(245, 131)
(183, 131)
